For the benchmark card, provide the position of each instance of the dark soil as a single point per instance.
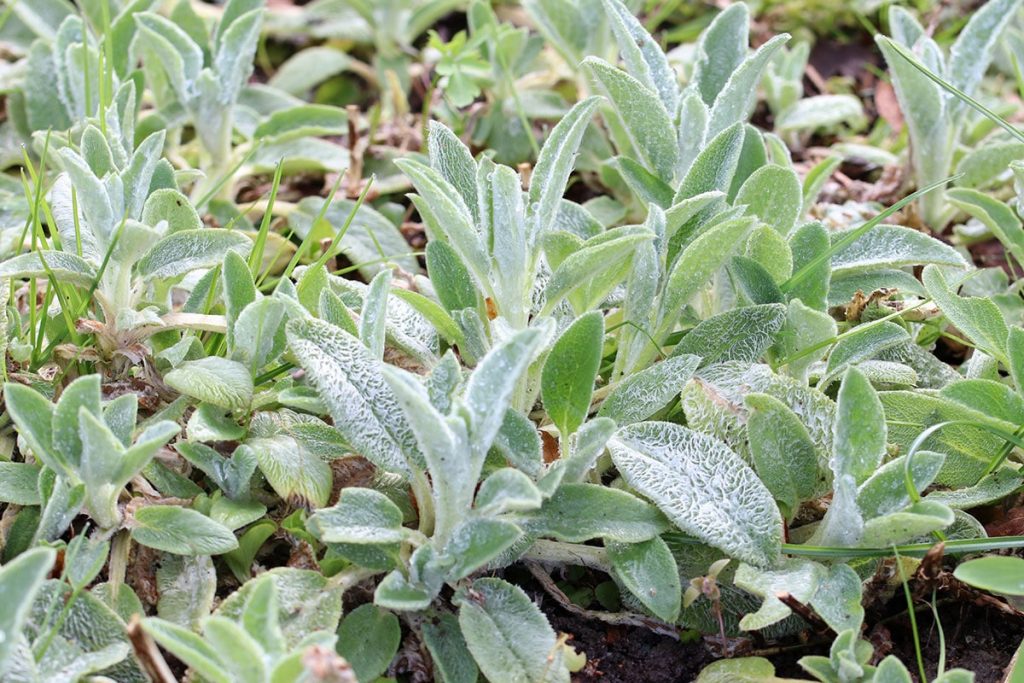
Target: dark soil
(990, 254)
(979, 638)
(628, 654)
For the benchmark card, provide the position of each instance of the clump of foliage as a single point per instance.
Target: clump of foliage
(578, 317)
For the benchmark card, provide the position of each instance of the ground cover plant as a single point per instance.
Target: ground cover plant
(521, 342)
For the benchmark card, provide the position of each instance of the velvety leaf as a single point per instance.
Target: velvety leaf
(303, 121)
(773, 194)
(914, 521)
(593, 260)
(169, 205)
(352, 385)
(187, 586)
(698, 262)
(453, 663)
(885, 491)
(808, 242)
(737, 97)
(642, 115)
(295, 473)
(644, 393)
(821, 112)
(20, 579)
(65, 267)
(509, 636)
(19, 483)
(979, 319)
(784, 455)
(368, 638)
(862, 344)
(974, 48)
(361, 516)
(838, 598)
(721, 49)
(567, 381)
(477, 541)
(555, 163)
(860, 430)
(742, 334)
(188, 250)
(796, 576)
(890, 246)
(181, 531)
(507, 490)
(491, 385)
(997, 574)
(714, 167)
(994, 214)
(699, 483)
(648, 570)
(580, 512)
(214, 380)
(644, 58)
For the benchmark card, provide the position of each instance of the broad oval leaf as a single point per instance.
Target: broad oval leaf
(892, 246)
(644, 393)
(359, 399)
(580, 512)
(65, 267)
(567, 381)
(181, 531)
(188, 250)
(509, 636)
(783, 453)
(368, 638)
(742, 334)
(649, 571)
(773, 194)
(703, 487)
(698, 262)
(995, 573)
(295, 473)
(218, 381)
(20, 579)
(980, 319)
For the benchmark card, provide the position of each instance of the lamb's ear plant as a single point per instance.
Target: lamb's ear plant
(796, 115)
(435, 437)
(252, 645)
(205, 89)
(937, 120)
(714, 214)
(849, 660)
(20, 580)
(683, 383)
(58, 630)
(501, 258)
(661, 126)
(199, 77)
(122, 234)
(572, 29)
(71, 65)
(87, 446)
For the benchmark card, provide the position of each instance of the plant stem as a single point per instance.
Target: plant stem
(347, 578)
(557, 552)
